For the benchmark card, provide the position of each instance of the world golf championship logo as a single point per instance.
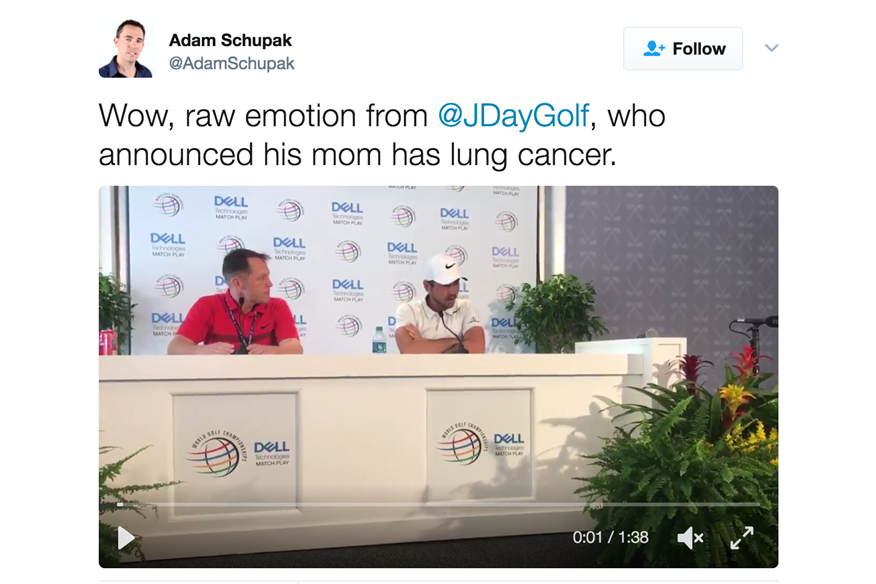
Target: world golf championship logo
(169, 286)
(291, 288)
(217, 457)
(404, 291)
(349, 325)
(458, 253)
(229, 243)
(506, 293)
(403, 216)
(168, 204)
(506, 222)
(348, 251)
(290, 210)
(462, 444)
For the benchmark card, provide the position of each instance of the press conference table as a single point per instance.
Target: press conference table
(301, 452)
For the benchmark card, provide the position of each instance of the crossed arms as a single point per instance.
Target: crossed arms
(410, 342)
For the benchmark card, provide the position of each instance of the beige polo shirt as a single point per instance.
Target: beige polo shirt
(460, 319)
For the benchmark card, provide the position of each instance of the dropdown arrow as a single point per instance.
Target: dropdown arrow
(771, 48)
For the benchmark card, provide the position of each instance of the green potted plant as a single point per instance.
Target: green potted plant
(110, 497)
(555, 314)
(655, 486)
(116, 310)
(693, 459)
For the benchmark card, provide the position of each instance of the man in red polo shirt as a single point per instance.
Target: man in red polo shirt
(219, 325)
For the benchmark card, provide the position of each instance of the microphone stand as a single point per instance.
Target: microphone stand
(754, 341)
(460, 347)
(754, 337)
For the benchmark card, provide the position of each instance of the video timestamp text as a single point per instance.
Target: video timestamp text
(598, 537)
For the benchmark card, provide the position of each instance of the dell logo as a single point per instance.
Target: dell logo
(400, 248)
(299, 320)
(219, 281)
(167, 318)
(289, 242)
(270, 447)
(504, 322)
(508, 439)
(347, 285)
(175, 238)
(229, 202)
(346, 208)
(454, 214)
(506, 252)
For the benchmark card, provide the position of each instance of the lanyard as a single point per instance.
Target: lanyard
(243, 340)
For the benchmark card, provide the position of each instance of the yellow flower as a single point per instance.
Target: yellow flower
(761, 434)
(735, 396)
(735, 440)
(755, 439)
(775, 461)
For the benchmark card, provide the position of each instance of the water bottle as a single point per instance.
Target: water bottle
(378, 342)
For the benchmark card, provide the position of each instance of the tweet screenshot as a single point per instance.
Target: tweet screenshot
(506, 276)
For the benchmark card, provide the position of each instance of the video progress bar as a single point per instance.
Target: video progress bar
(442, 504)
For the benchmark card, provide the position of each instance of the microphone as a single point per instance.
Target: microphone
(241, 350)
(770, 321)
(460, 348)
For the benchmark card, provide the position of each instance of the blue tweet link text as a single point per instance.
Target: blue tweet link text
(487, 115)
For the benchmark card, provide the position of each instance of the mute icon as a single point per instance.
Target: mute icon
(686, 538)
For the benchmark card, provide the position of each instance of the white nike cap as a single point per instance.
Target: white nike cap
(443, 269)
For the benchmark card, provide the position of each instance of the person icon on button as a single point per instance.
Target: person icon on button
(652, 46)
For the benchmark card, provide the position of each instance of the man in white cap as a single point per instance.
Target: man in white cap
(441, 322)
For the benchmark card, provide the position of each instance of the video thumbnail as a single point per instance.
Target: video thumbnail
(465, 376)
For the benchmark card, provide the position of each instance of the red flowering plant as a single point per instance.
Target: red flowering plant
(741, 397)
(690, 366)
(743, 390)
(690, 445)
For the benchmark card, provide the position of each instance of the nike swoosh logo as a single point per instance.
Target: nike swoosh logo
(264, 326)
(448, 266)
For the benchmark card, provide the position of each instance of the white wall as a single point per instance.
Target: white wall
(553, 248)
(106, 239)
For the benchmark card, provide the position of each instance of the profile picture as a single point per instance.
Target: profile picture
(128, 48)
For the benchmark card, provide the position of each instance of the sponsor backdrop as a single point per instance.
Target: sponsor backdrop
(343, 257)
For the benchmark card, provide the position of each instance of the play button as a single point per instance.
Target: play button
(124, 537)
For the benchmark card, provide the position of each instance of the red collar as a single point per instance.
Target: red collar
(232, 303)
